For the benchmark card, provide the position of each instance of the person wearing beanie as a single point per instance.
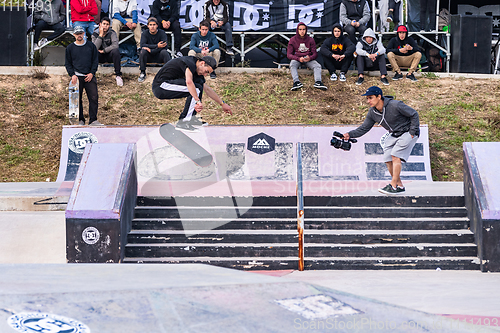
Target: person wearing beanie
(184, 77)
(403, 126)
(337, 52)
(402, 51)
(302, 50)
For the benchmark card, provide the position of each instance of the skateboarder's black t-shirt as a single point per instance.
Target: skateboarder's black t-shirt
(176, 69)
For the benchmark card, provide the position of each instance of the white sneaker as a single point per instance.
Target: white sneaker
(333, 77)
(119, 81)
(42, 42)
(179, 54)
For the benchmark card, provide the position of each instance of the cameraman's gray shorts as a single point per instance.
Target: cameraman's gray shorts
(399, 147)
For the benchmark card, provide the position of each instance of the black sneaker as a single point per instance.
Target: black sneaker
(389, 190)
(320, 85)
(400, 189)
(142, 77)
(185, 126)
(397, 76)
(342, 77)
(390, 18)
(197, 122)
(384, 81)
(297, 85)
(360, 81)
(213, 75)
(411, 77)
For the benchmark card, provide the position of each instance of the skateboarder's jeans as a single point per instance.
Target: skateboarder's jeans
(92, 95)
(173, 89)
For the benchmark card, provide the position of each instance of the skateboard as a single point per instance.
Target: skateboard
(73, 103)
(186, 145)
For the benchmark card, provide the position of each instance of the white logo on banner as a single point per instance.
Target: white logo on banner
(250, 15)
(309, 14)
(191, 13)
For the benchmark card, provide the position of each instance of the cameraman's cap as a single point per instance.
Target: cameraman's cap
(153, 19)
(373, 90)
(78, 30)
(210, 61)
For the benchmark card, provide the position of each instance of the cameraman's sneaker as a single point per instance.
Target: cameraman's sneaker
(389, 190)
(320, 85)
(342, 77)
(411, 77)
(360, 81)
(384, 81)
(297, 85)
(333, 77)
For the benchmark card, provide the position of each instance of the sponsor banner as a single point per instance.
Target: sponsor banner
(259, 15)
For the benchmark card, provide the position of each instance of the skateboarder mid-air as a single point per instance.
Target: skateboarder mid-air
(185, 77)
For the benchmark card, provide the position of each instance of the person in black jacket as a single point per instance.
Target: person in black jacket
(184, 77)
(153, 47)
(337, 52)
(81, 64)
(166, 13)
(402, 50)
(106, 42)
(403, 126)
(354, 15)
(217, 13)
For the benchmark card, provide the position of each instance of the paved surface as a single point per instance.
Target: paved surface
(200, 298)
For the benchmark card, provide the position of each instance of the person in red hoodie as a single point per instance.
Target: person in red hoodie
(302, 50)
(82, 14)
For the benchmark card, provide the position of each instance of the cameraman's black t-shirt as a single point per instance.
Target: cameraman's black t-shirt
(176, 69)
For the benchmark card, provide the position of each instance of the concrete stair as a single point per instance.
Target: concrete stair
(340, 233)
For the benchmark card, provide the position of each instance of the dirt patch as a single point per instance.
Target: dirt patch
(33, 110)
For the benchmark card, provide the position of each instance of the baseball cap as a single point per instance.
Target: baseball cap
(373, 90)
(78, 30)
(210, 61)
(402, 28)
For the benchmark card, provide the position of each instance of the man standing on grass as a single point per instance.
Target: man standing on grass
(81, 64)
(185, 77)
(403, 124)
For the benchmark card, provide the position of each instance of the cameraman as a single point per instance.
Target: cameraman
(401, 121)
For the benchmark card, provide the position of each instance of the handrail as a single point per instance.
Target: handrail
(300, 207)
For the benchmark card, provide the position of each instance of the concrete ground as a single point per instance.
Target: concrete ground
(37, 238)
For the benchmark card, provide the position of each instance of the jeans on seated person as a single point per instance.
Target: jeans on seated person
(313, 64)
(114, 57)
(42, 25)
(89, 27)
(364, 62)
(351, 32)
(228, 32)
(160, 57)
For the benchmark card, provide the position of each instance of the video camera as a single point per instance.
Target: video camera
(342, 144)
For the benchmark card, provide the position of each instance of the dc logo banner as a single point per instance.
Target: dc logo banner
(261, 143)
(250, 17)
(191, 13)
(91, 235)
(309, 14)
(46, 323)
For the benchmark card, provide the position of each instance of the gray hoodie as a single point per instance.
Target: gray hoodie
(396, 117)
(51, 12)
(364, 49)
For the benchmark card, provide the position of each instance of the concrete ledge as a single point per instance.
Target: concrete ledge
(61, 70)
(33, 196)
(482, 199)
